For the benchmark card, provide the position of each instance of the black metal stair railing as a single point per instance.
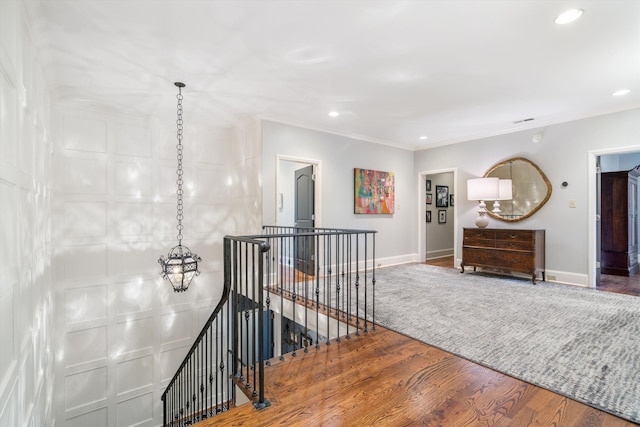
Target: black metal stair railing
(338, 290)
(320, 280)
(205, 383)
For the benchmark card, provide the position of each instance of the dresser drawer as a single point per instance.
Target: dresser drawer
(515, 235)
(518, 261)
(508, 260)
(518, 245)
(478, 256)
(478, 241)
(480, 233)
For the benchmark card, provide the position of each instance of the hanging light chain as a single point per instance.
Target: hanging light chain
(179, 181)
(180, 266)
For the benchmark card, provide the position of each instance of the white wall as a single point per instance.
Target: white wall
(563, 156)
(26, 305)
(396, 240)
(121, 331)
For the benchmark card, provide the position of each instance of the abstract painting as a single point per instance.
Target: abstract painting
(374, 191)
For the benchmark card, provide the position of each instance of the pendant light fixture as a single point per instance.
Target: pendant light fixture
(181, 265)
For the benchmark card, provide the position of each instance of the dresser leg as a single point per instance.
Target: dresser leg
(533, 277)
(462, 267)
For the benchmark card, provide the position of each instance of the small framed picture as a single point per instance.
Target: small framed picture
(428, 216)
(428, 185)
(429, 198)
(442, 216)
(306, 340)
(442, 196)
(450, 199)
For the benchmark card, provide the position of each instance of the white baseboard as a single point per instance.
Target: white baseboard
(551, 276)
(440, 253)
(554, 276)
(395, 260)
(567, 278)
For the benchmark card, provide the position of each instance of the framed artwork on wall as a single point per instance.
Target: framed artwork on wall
(442, 216)
(429, 198)
(374, 191)
(428, 185)
(442, 196)
(450, 199)
(428, 216)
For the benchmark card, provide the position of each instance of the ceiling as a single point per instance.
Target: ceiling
(451, 70)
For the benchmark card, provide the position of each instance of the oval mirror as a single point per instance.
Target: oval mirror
(530, 189)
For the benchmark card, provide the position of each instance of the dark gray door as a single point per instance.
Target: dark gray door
(304, 219)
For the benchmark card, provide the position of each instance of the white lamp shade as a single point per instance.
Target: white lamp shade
(505, 187)
(483, 189)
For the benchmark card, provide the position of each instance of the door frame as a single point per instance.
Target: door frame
(317, 207)
(592, 198)
(422, 238)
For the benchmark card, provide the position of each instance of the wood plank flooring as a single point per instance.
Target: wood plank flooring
(384, 378)
(387, 379)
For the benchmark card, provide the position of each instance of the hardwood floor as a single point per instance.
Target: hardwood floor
(620, 284)
(446, 261)
(387, 379)
(384, 378)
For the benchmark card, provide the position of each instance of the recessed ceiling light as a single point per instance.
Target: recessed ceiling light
(334, 114)
(621, 92)
(423, 137)
(568, 16)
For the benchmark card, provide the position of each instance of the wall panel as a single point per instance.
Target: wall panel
(132, 139)
(134, 374)
(97, 418)
(26, 315)
(86, 345)
(85, 303)
(85, 387)
(121, 330)
(135, 411)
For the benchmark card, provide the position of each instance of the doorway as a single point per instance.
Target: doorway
(286, 185)
(611, 226)
(437, 216)
(599, 161)
(298, 204)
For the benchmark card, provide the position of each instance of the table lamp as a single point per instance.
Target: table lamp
(482, 189)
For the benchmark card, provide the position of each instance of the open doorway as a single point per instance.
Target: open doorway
(613, 261)
(437, 217)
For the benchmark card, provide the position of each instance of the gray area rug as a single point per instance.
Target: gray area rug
(578, 342)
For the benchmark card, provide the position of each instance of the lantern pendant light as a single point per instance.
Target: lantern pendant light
(181, 265)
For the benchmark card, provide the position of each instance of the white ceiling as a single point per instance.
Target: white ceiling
(453, 70)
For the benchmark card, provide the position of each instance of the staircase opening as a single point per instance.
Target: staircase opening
(269, 309)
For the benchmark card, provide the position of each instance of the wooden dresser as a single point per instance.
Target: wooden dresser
(504, 249)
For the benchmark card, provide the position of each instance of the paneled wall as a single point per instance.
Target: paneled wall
(26, 328)
(121, 330)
